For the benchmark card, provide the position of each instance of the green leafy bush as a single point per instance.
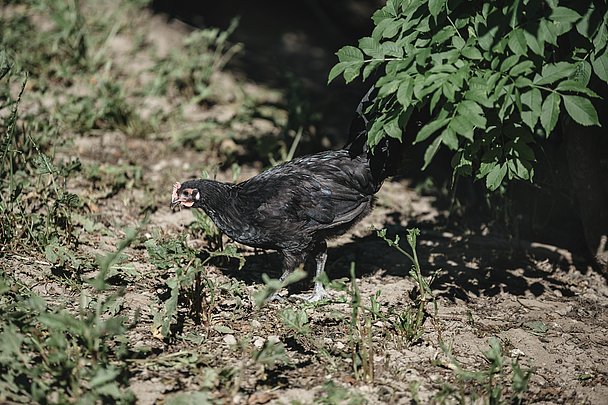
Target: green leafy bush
(491, 78)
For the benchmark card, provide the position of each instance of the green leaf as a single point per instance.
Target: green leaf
(547, 31)
(337, 70)
(388, 88)
(352, 72)
(375, 133)
(390, 48)
(517, 96)
(435, 6)
(430, 129)
(600, 66)
(523, 83)
(444, 34)
(387, 28)
(435, 99)
(457, 42)
(485, 168)
(448, 92)
(472, 111)
(369, 69)
(43, 164)
(351, 61)
(564, 15)
(535, 44)
(371, 47)
(550, 112)
(496, 176)
(575, 86)
(601, 37)
(517, 42)
(461, 164)
(384, 28)
(405, 92)
(480, 96)
(392, 129)
(486, 38)
(533, 100)
(507, 106)
(471, 52)
(103, 376)
(509, 62)
(555, 71)
(522, 67)
(581, 110)
(582, 72)
(431, 151)
(520, 170)
(350, 54)
(463, 126)
(449, 139)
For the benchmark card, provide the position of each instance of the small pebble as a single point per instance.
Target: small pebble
(230, 340)
(258, 342)
(516, 353)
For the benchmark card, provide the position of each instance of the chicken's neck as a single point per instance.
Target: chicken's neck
(217, 200)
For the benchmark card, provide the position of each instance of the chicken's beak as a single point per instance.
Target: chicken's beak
(175, 200)
(182, 202)
(175, 203)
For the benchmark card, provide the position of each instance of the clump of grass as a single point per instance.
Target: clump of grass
(410, 322)
(187, 71)
(105, 108)
(190, 282)
(27, 169)
(110, 179)
(55, 54)
(332, 394)
(486, 386)
(360, 336)
(51, 355)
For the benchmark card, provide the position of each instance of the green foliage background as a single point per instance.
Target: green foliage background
(493, 77)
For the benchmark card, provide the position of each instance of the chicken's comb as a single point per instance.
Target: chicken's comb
(176, 187)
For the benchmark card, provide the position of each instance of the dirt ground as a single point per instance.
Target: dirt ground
(544, 304)
(546, 307)
(547, 311)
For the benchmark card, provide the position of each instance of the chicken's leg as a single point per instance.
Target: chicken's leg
(320, 259)
(289, 264)
(290, 261)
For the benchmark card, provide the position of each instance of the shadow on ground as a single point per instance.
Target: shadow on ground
(287, 43)
(467, 267)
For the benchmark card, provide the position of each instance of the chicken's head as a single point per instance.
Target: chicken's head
(184, 195)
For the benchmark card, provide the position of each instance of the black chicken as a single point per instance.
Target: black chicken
(296, 206)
